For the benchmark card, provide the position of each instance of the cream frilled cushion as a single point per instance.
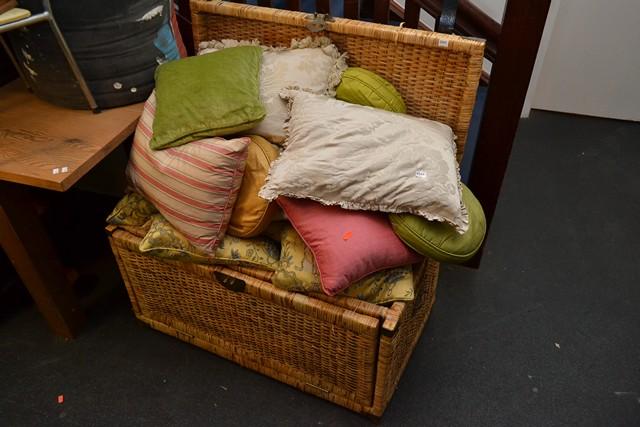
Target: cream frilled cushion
(313, 64)
(365, 158)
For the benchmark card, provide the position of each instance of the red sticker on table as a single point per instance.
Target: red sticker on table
(347, 235)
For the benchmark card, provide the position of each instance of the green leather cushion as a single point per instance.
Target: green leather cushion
(209, 95)
(441, 241)
(363, 87)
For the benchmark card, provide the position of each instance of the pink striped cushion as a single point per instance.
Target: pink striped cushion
(194, 186)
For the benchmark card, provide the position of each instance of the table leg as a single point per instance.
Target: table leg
(27, 245)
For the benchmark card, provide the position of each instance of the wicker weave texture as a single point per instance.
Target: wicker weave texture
(436, 74)
(331, 347)
(318, 343)
(395, 350)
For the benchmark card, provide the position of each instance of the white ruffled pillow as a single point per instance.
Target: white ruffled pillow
(365, 158)
(312, 64)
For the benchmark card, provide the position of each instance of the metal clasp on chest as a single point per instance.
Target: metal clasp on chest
(318, 22)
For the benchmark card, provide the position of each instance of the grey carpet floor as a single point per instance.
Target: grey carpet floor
(545, 333)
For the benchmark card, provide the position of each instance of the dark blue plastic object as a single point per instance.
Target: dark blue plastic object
(117, 44)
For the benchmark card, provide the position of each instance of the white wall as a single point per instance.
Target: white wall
(588, 61)
(542, 50)
(592, 62)
(493, 8)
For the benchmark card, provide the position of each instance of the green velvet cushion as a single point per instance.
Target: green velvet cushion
(441, 241)
(209, 95)
(363, 87)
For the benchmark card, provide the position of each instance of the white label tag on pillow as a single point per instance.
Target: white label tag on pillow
(420, 173)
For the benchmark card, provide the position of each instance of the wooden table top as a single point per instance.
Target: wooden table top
(51, 147)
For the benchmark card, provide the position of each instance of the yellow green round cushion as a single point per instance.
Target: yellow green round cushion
(364, 87)
(439, 240)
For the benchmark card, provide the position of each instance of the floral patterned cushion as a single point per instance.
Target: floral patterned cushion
(297, 272)
(138, 216)
(132, 209)
(164, 241)
(294, 267)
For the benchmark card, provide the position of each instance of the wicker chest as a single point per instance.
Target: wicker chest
(341, 349)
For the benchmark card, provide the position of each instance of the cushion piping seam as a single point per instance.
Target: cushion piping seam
(406, 228)
(374, 90)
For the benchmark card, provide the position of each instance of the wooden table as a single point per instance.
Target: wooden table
(50, 147)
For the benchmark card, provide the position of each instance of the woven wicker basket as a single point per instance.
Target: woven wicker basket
(341, 349)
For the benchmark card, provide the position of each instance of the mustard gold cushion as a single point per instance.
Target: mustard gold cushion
(13, 15)
(164, 241)
(251, 213)
(364, 87)
(297, 272)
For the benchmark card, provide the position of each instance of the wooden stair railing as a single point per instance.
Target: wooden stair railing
(512, 48)
(469, 21)
(517, 49)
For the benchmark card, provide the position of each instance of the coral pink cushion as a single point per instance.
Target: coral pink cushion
(347, 245)
(194, 186)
